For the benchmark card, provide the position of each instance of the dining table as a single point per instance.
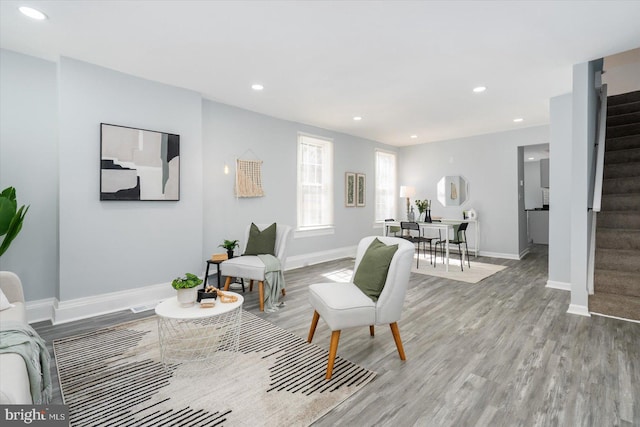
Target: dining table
(440, 226)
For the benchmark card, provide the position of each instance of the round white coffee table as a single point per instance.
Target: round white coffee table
(198, 338)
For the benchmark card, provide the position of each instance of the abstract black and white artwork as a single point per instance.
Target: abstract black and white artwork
(138, 164)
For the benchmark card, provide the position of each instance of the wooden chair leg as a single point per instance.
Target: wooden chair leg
(333, 350)
(314, 323)
(251, 285)
(261, 294)
(396, 337)
(372, 330)
(227, 283)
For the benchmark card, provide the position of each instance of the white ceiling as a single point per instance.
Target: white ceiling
(406, 67)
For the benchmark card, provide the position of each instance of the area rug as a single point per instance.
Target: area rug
(475, 274)
(114, 377)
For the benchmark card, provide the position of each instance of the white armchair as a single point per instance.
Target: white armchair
(344, 305)
(250, 267)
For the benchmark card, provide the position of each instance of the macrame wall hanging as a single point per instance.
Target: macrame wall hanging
(249, 178)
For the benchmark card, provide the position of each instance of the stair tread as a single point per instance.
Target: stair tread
(630, 252)
(612, 110)
(619, 273)
(627, 118)
(620, 212)
(628, 195)
(623, 178)
(624, 306)
(616, 282)
(623, 98)
(618, 230)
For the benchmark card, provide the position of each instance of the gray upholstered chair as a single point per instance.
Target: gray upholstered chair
(344, 305)
(250, 267)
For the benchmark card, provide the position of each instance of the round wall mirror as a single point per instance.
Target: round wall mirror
(453, 190)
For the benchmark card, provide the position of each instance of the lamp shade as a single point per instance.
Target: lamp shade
(406, 191)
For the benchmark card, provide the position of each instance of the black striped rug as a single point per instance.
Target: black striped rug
(113, 377)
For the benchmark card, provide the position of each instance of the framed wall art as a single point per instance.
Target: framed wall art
(138, 164)
(349, 189)
(361, 189)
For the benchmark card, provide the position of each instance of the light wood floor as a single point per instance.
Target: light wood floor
(502, 352)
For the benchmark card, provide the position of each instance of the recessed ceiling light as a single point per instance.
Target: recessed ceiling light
(531, 158)
(257, 87)
(32, 13)
(518, 120)
(357, 118)
(479, 89)
(414, 136)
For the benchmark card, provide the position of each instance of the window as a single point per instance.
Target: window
(315, 182)
(385, 185)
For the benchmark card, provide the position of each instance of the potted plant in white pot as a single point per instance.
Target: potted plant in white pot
(229, 245)
(186, 289)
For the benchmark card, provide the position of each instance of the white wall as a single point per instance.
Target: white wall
(490, 164)
(75, 246)
(582, 139)
(108, 246)
(532, 189)
(560, 198)
(29, 162)
(230, 132)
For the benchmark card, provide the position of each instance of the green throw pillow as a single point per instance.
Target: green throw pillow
(261, 242)
(372, 271)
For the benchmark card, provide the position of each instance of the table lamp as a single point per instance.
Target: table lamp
(408, 192)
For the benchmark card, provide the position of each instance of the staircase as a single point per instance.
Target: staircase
(617, 252)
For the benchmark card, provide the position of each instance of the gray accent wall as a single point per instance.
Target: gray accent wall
(583, 136)
(108, 246)
(73, 245)
(532, 188)
(523, 230)
(490, 164)
(560, 185)
(29, 162)
(230, 133)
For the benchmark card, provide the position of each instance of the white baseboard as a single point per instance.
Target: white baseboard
(82, 308)
(299, 261)
(500, 255)
(615, 317)
(564, 286)
(40, 310)
(581, 310)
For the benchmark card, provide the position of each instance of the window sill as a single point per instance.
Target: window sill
(313, 232)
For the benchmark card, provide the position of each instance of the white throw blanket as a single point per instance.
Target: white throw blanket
(16, 337)
(273, 282)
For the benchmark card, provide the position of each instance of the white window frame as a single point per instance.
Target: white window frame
(385, 188)
(325, 224)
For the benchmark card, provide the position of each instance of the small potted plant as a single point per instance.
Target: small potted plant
(186, 288)
(229, 245)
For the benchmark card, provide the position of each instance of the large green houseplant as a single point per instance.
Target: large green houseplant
(11, 217)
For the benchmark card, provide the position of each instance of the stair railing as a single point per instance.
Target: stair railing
(598, 167)
(597, 175)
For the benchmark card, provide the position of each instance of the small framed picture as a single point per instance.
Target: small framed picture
(361, 189)
(349, 189)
